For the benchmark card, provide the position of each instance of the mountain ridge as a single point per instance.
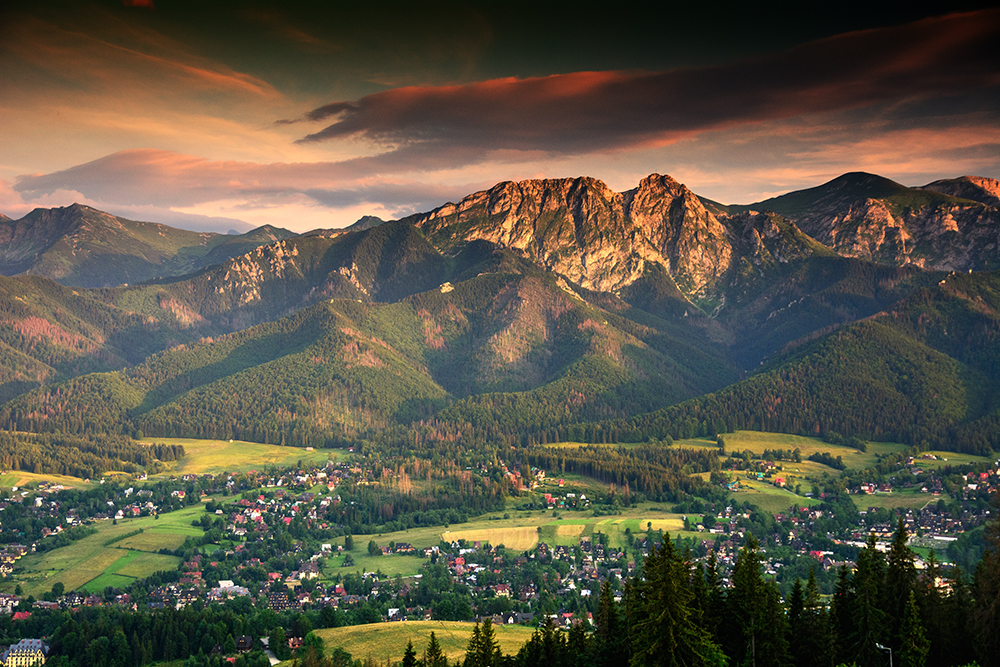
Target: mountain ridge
(524, 310)
(81, 246)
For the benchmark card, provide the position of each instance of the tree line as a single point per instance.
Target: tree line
(81, 456)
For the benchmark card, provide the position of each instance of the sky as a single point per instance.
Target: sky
(229, 115)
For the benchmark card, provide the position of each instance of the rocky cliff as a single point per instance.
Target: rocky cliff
(871, 217)
(605, 240)
(983, 190)
(598, 238)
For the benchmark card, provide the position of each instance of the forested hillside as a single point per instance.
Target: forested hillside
(530, 313)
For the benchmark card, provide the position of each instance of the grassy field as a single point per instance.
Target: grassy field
(387, 641)
(757, 442)
(520, 538)
(217, 456)
(130, 566)
(19, 479)
(768, 497)
(92, 564)
(945, 459)
(894, 500)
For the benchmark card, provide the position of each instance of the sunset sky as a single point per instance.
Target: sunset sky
(226, 115)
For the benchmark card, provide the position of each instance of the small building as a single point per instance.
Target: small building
(244, 644)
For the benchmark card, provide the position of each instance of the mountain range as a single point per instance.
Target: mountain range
(529, 311)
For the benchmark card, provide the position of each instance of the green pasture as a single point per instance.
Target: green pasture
(217, 456)
(757, 442)
(146, 564)
(390, 566)
(20, 479)
(92, 564)
(945, 459)
(908, 499)
(131, 565)
(768, 497)
(387, 641)
(102, 581)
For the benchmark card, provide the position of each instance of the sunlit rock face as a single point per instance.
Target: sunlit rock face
(596, 237)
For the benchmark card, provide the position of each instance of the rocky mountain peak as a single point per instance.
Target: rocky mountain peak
(977, 188)
(694, 244)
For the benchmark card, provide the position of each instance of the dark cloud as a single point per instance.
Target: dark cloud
(586, 112)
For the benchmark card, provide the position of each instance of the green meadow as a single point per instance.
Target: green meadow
(757, 442)
(946, 459)
(217, 456)
(20, 479)
(386, 642)
(91, 564)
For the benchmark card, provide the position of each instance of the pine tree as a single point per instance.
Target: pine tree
(578, 647)
(665, 632)
(715, 607)
(608, 636)
(932, 614)
(434, 656)
(797, 637)
(913, 644)
(409, 655)
(817, 625)
(841, 621)
(756, 607)
(900, 578)
(986, 593)
(483, 649)
(869, 627)
(959, 634)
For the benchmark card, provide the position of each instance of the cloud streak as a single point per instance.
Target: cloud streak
(147, 177)
(590, 112)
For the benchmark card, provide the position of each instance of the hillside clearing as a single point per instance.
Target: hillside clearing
(519, 539)
(218, 456)
(387, 641)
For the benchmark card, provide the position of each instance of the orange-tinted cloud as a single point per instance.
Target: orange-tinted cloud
(147, 177)
(587, 112)
(124, 56)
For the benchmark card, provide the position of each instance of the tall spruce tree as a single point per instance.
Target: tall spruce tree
(797, 638)
(869, 618)
(715, 608)
(608, 636)
(578, 647)
(841, 619)
(665, 632)
(409, 655)
(913, 643)
(756, 606)
(483, 649)
(900, 578)
(986, 593)
(433, 655)
(817, 626)
(932, 610)
(960, 643)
